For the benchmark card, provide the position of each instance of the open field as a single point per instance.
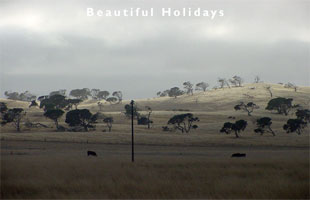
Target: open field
(43, 163)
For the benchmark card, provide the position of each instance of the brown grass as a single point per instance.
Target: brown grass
(63, 177)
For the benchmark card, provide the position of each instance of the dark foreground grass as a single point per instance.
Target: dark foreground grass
(42, 177)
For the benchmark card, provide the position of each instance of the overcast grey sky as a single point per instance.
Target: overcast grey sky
(51, 45)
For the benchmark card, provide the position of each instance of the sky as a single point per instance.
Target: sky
(50, 45)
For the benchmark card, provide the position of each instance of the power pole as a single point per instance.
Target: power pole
(132, 138)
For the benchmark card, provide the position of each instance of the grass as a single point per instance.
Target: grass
(57, 177)
(43, 163)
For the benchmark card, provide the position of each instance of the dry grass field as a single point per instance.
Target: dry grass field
(43, 163)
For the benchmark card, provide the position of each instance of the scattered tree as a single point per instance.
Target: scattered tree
(80, 93)
(291, 85)
(268, 88)
(111, 100)
(294, 125)
(33, 103)
(128, 110)
(54, 102)
(109, 122)
(94, 93)
(256, 79)
(236, 127)
(3, 107)
(281, 105)
(119, 96)
(82, 118)
(188, 86)
(149, 121)
(54, 115)
(184, 122)
(103, 95)
(303, 115)
(236, 81)
(25, 96)
(223, 82)
(14, 116)
(100, 105)
(73, 102)
(175, 91)
(249, 107)
(264, 125)
(58, 92)
(202, 86)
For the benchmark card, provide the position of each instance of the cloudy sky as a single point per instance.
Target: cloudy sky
(51, 45)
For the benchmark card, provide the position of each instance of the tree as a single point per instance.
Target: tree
(223, 82)
(80, 93)
(281, 105)
(74, 102)
(184, 122)
(54, 115)
(264, 125)
(25, 96)
(14, 116)
(111, 100)
(3, 107)
(188, 86)
(174, 92)
(256, 79)
(109, 122)
(303, 115)
(81, 117)
(94, 93)
(59, 92)
(249, 107)
(103, 95)
(100, 105)
(268, 88)
(163, 94)
(33, 103)
(149, 121)
(294, 125)
(128, 110)
(54, 102)
(236, 81)
(119, 96)
(236, 127)
(202, 86)
(291, 85)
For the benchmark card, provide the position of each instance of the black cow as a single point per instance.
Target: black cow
(238, 155)
(91, 153)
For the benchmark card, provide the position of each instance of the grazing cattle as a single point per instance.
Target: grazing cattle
(238, 155)
(91, 153)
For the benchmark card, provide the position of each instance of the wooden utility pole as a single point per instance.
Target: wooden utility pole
(132, 138)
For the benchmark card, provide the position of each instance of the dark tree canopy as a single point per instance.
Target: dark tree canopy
(202, 86)
(118, 95)
(54, 102)
(249, 107)
(33, 104)
(281, 105)
(82, 118)
(264, 125)
(236, 127)
(81, 93)
(294, 125)
(111, 100)
(128, 110)
(303, 115)
(103, 95)
(3, 107)
(109, 121)
(14, 116)
(73, 102)
(58, 92)
(184, 122)
(175, 91)
(188, 86)
(54, 115)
